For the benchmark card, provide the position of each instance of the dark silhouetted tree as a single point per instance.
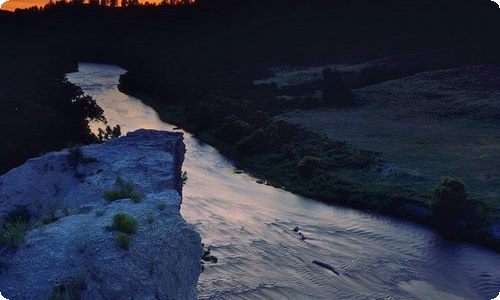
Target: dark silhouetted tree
(449, 204)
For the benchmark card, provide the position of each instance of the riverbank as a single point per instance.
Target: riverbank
(285, 155)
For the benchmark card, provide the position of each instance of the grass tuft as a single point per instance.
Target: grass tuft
(123, 190)
(124, 223)
(123, 241)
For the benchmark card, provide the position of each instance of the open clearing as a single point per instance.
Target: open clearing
(426, 126)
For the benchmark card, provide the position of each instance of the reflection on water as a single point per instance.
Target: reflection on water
(250, 229)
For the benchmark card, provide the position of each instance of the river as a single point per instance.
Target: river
(250, 228)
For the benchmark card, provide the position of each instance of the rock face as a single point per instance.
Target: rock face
(163, 259)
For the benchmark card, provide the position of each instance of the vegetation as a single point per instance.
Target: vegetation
(335, 91)
(123, 190)
(51, 218)
(162, 206)
(449, 203)
(76, 157)
(308, 165)
(124, 223)
(15, 226)
(14, 233)
(109, 133)
(43, 121)
(69, 289)
(184, 178)
(123, 240)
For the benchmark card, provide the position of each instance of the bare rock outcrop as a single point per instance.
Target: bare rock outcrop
(77, 250)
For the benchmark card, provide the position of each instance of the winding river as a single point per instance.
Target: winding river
(250, 228)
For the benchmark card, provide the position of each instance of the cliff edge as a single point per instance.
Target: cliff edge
(73, 246)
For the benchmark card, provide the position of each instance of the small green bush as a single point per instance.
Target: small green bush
(15, 226)
(20, 213)
(123, 190)
(124, 223)
(14, 233)
(123, 240)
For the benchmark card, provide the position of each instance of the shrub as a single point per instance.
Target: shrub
(268, 138)
(76, 157)
(20, 213)
(162, 206)
(49, 219)
(234, 128)
(69, 289)
(184, 178)
(124, 223)
(335, 91)
(123, 190)
(308, 165)
(253, 143)
(14, 233)
(449, 203)
(15, 226)
(123, 240)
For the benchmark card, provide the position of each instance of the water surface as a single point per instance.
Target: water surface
(250, 229)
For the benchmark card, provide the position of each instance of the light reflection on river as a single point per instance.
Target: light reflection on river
(250, 229)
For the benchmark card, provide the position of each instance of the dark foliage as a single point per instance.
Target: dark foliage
(335, 90)
(449, 204)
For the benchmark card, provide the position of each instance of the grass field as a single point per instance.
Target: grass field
(426, 126)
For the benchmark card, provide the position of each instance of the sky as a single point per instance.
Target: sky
(13, 4)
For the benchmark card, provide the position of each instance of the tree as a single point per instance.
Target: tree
(449, 204)
(113, 3)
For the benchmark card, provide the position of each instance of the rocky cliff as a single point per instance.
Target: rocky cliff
(72, 249)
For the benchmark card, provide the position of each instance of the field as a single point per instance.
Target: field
(425, 127)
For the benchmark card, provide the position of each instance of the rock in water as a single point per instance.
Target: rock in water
(326, 266)
(77, 250)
